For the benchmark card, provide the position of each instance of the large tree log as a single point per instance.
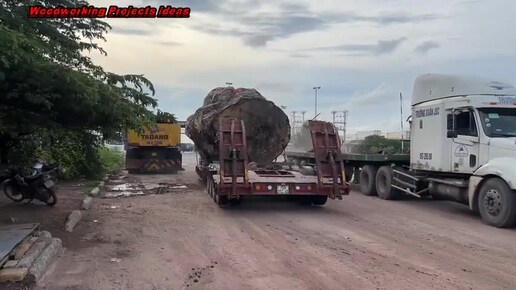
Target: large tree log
(267, 126)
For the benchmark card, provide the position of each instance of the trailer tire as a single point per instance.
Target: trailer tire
(368, 180)
(497, 203)
(383, 183)
(209, 186)
(319, 199)
(221, 200)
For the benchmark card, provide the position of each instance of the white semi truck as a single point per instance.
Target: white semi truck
(462, 148)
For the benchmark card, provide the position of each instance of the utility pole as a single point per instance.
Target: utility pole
(229, 84)
(294, 122)
(401, 116)
(315, 89)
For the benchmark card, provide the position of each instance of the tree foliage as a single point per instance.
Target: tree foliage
(49, 84)
(165, 117)
(378, 144)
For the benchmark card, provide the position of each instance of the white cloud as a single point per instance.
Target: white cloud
(260, 48)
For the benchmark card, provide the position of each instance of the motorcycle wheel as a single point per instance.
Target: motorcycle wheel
(52, 197)
(12, 191)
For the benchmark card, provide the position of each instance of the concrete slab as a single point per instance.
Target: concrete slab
(13, 275)
(11, 236)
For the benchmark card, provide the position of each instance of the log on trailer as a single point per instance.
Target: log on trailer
(266, 125)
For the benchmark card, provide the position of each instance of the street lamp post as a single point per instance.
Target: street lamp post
(315, 89)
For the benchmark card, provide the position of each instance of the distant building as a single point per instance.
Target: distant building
(350, 146)
(360, 135)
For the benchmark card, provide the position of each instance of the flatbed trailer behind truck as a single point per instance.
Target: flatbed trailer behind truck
(234, 177)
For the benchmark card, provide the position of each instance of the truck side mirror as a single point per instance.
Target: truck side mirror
(451, 134)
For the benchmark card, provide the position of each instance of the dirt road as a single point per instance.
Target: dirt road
(182, 240)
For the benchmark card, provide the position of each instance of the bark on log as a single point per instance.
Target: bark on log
(267, 126)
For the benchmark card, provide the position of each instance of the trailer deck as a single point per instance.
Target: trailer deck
(268, 182)
(353, 157)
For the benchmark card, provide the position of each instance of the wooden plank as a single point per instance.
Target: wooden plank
(23, 247)
(11, 236)
(13, 275)
(10, 264)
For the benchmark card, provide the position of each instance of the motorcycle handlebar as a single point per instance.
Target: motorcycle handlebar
(52, 170)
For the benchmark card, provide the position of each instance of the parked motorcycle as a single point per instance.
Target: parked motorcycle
(38, 185)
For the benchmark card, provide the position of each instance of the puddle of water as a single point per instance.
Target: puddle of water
(123, 194)
(125, 187)
(150, 186)
(178, 187)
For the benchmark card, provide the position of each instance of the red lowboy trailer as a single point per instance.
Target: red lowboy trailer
(233, 176)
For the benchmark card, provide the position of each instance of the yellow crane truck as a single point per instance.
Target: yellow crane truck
(156, 149)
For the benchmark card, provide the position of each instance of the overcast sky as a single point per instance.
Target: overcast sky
(362, 53)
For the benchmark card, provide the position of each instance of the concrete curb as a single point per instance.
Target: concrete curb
(45, 259)
(86, 202)
(72, 221)
(45, 234)
(34, 252)
(95, 191)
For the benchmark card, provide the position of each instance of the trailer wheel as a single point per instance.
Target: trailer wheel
(383, 183)
(221, 200)
(497, 203)
(319, 199)
(209, 186)
(368, 180)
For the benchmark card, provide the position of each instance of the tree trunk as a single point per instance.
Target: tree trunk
(267, 126)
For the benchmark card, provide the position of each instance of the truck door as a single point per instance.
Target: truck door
(463, 129)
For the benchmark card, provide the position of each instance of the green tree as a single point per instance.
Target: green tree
(50, 87)
(378, 144)
(165, 117)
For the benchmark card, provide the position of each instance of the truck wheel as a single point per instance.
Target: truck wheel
(319, 199)
(383, 183)
(497, 203)
(368, 180)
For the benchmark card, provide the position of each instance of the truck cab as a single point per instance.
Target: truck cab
(464, 142)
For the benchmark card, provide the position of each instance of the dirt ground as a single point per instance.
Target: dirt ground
(182, 240)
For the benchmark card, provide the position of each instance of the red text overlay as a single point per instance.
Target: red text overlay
(109, 12)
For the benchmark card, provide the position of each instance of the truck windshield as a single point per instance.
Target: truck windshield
(498, 122)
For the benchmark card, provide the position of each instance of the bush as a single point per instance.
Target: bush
(111, 160)
(75, 152)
